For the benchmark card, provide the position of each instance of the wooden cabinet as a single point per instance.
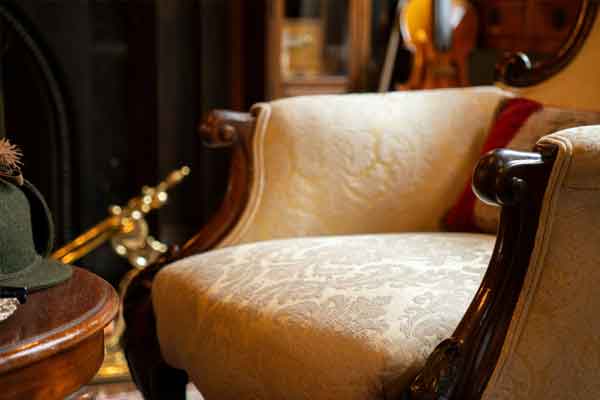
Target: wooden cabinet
(316, 46)
(534, 26)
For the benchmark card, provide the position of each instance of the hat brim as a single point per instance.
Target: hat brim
(41, 274)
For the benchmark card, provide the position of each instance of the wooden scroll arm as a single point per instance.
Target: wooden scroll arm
(461, 366)
(234, 130)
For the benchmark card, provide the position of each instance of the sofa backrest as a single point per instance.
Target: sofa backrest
(362, 163)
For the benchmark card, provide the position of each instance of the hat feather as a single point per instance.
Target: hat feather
(10, 155)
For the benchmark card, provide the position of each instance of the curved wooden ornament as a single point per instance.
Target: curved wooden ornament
(235, 130)
(516, 69)
(461, 366)
(150, 372)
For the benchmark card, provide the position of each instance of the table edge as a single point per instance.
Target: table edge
(55, 341)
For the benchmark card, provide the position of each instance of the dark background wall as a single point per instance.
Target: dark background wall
(136, 76)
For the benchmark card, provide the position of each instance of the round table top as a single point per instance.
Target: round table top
(56, 319)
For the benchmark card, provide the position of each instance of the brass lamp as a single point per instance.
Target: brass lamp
(129, 236)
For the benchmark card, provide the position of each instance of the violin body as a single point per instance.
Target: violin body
(440, 34)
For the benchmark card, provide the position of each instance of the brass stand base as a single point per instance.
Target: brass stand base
(114, 368)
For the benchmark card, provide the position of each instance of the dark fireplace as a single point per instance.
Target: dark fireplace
(104, 97)
(36, 115)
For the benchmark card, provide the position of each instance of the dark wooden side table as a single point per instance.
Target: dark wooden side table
(54, 343)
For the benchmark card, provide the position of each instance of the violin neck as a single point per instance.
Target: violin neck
(442, 25)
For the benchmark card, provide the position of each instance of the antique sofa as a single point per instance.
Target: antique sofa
(326, 275)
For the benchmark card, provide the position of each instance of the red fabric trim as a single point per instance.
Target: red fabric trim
(506, 125)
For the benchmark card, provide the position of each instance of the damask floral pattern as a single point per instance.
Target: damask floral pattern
(362, 163)
(347, 317)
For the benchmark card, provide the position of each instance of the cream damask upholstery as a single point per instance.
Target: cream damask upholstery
(552, 350)
(351, 317)
(362, 163)
(336, 317)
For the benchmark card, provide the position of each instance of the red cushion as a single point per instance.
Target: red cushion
(510, 119)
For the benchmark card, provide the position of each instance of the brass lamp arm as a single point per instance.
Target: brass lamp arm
(123, 220)
(88, 241)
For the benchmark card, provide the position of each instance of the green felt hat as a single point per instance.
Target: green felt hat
(26, 238)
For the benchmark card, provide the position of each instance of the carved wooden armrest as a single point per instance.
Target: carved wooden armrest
(231, 129)
(461, 366)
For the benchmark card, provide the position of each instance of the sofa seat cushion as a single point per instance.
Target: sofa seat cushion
(346, 317)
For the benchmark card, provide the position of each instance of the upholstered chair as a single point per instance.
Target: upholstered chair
(327, 273)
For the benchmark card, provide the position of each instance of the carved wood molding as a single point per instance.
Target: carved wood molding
(461, 366)
(235, 130)
(516, 69)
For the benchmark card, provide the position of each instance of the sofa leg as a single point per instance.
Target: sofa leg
(167, 383)
(151, 374)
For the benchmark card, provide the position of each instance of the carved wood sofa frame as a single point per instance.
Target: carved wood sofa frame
(460, 366)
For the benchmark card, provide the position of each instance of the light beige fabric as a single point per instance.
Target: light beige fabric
(552, 350)
(315, 318)
(578, 85)
(362, 163)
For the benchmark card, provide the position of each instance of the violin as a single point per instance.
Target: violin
(440, 34)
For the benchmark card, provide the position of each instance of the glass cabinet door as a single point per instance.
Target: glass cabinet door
(314, 39)
(313, 45)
